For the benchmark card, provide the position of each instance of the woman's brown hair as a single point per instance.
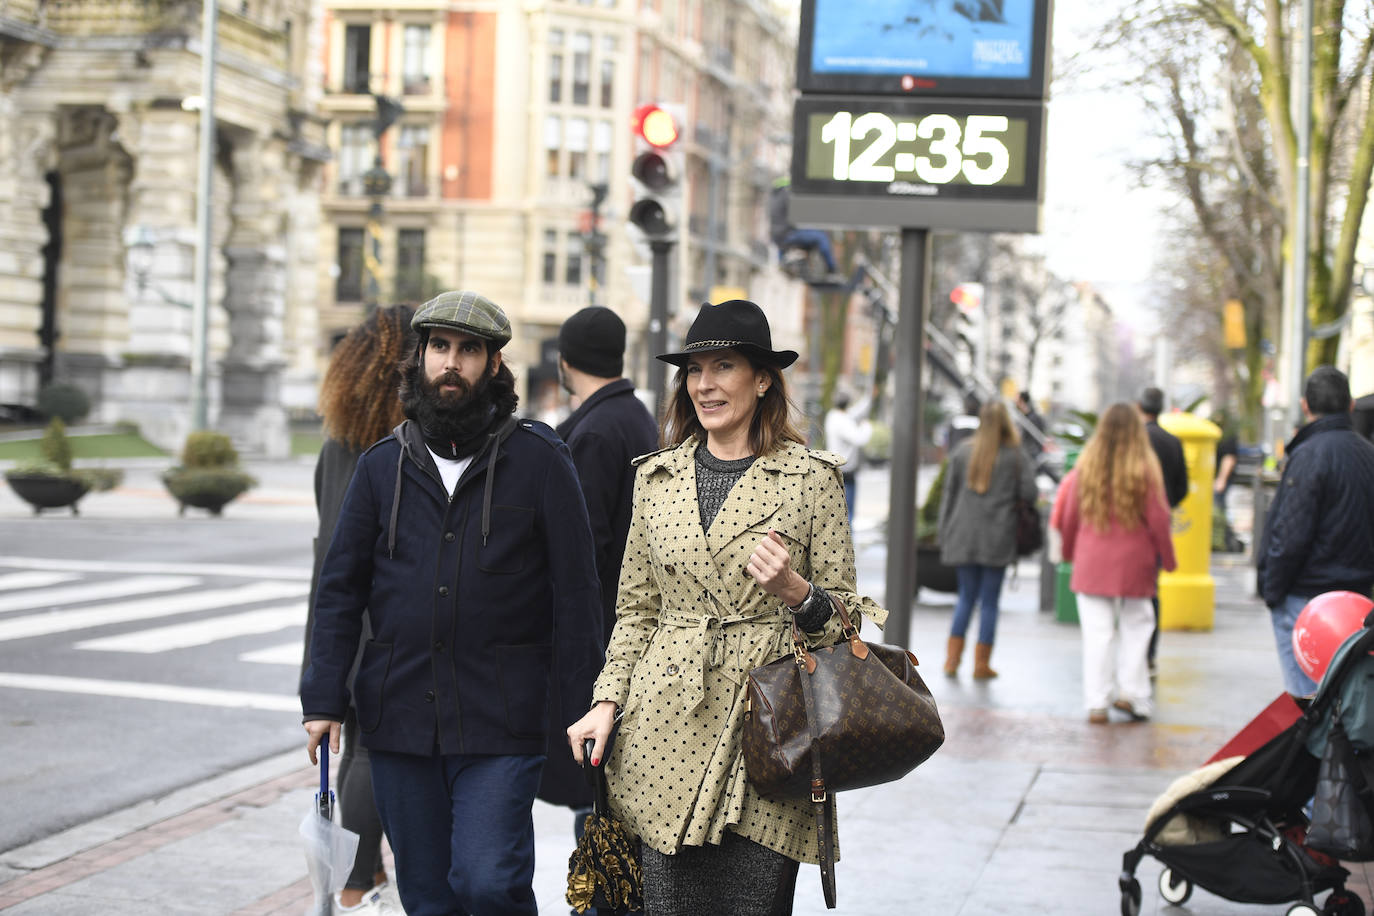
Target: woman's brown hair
(770, 426)
(1118, 471)
(359, 399)
(994, 431)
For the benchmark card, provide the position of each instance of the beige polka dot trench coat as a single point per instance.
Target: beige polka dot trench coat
(691, 623)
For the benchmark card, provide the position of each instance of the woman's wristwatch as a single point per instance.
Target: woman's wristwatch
(801, 605)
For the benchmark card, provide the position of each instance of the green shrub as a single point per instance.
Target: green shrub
(207, 488)
(207, 449)
(928, 516)
(63, 400)
(879, 445)
(56, 447)
(100, 479)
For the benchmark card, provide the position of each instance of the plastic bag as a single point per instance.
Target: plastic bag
(329, 853)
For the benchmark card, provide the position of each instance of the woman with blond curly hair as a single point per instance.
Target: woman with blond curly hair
(1114, 520)
(985, 477)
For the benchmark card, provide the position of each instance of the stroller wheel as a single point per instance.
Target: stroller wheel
(1343, 903)
(1173, 889)
(1301, 909)
(1130, 898)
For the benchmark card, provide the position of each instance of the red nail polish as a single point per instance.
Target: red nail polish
(596, 762)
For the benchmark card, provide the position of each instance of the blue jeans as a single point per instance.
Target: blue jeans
(462, 830)
(1295, 680)
(808, 239)
(851, 493)
(981, 585)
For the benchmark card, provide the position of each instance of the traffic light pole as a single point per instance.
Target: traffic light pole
(914, 302)
(658, 321)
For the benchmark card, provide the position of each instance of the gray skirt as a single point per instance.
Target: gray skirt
(737, 878)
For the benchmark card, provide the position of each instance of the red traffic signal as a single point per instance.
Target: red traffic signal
(656, 125)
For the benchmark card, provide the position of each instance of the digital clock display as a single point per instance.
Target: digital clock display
(913, 150)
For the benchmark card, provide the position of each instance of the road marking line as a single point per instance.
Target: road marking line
(169, 693)
(201, 632)
(94, 591)
(288, 653)
(145, 609)
(33, 579)
(202, 569)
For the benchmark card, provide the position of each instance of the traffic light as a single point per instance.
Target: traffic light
(657, 171)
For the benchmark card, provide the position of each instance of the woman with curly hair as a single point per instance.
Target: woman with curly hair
(1112, 514)
(360, 403)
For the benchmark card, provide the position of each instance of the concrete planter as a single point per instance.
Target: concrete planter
(44, 491)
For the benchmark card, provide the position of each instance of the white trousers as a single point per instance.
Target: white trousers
(1115, 667)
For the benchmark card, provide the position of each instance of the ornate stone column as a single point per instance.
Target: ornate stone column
(255, 297)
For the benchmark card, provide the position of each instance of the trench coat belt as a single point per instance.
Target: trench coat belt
(710, 643)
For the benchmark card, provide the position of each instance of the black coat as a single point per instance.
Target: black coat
(478, 602)
(609, 430)
(1319, 533)
(1170, 453)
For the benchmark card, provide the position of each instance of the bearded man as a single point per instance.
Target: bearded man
(465, 535)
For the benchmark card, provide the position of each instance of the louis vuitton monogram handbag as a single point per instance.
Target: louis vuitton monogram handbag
(840, 717)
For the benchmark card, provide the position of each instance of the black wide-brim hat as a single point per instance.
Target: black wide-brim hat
(735, 324)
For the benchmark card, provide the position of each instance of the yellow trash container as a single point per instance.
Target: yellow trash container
(1187, 596)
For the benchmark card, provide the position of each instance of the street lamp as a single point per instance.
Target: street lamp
(376, 185)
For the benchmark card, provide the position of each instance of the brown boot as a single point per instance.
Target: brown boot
(953, 653)
(982, 654)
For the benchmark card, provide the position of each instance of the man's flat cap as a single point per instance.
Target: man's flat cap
(466, 311)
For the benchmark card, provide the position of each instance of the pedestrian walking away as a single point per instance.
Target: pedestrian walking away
(1319, 531)
(359, 404)
(1114, 526)
(738, 530)
(609, 429)
(1174, 469)
(464, 536)
(986, 475)
(847, 431)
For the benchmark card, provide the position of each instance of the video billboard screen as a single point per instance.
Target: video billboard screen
(990, 48)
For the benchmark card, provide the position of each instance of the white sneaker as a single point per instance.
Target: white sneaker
(374, 903)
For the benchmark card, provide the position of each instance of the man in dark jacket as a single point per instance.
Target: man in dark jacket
(1319, 533)
(465, 535)
(608, 430)
(1167, 447)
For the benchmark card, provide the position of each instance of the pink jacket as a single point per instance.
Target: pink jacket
(1119, 562)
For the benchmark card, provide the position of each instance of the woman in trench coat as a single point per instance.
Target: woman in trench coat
(737, 528)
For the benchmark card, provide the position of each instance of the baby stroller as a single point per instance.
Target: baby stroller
(1245, 833)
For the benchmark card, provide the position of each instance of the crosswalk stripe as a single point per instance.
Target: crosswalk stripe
(288, 653)
(170, 693)
(61, 621)
(33, 579)
(125, 566)
(93, 591)
(200, 632)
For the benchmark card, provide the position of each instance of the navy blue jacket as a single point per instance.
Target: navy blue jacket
(1319, 533)
(467, 626)
(1169, 451)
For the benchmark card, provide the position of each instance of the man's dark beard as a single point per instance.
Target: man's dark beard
(453, 423)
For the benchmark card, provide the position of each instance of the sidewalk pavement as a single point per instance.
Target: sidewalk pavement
(1027, 808)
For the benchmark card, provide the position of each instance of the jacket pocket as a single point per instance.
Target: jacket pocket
(370, 685)
(523, 673)
(508, 540)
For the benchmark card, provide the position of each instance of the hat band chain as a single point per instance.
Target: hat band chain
(713, 344)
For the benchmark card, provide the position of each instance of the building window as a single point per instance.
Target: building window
(412, 161)
(555, 78)
(355, 153)
(348, 286)
(415, 61)
(582, 68)
(410, 265)
(357, 48)
(550, 257)
(572, 274)
(577, 148)
(607, 83)
(553, 143)
(601, 150)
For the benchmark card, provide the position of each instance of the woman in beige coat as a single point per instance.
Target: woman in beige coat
(737, 528)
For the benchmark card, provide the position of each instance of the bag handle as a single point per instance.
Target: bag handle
(847, 629)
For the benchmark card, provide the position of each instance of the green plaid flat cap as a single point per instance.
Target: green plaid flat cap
(464, 310)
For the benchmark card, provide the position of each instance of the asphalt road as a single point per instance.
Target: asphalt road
(140, 655)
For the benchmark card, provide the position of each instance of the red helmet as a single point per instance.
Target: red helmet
(1323, 625)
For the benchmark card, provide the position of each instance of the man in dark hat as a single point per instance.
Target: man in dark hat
(610, 428)
(465, 536)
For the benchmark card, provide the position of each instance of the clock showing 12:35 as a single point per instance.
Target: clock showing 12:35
(950, 148)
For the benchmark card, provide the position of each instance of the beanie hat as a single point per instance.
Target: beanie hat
(593, 341)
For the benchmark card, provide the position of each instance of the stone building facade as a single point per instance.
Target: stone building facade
(99, 135)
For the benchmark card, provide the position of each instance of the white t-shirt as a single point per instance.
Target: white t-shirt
(450, 469)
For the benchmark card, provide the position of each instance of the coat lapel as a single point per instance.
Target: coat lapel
(755, 498)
